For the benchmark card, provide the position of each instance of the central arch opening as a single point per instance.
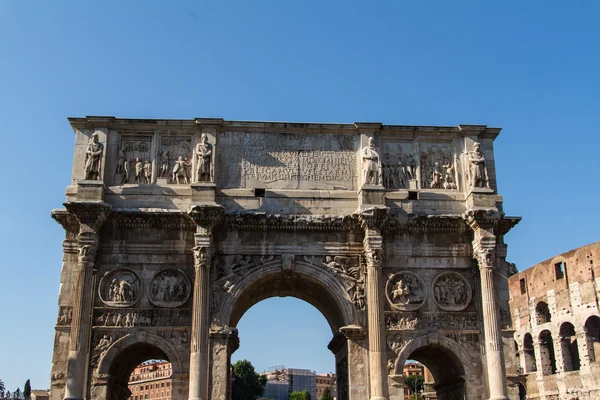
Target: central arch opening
(312, 303)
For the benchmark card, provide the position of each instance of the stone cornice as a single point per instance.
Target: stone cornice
(427, 223)
(372, 217)
(353, 332)
(66, 220)
(490, 219)
(163, 219)
(292, 222)
(89, 213)
(207, 214)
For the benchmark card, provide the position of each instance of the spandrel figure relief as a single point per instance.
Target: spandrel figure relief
(478, 173)
(93, 159)
(405, 291)
(120, 288)
(372, 172)
(451, 291)
(437, 166)
(203, 158)
(175, 157)
(169, 288)
(180, 172)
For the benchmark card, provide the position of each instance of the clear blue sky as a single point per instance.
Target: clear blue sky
(530, 67)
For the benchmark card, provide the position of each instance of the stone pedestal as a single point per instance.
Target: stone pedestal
(162, 181)
(371, 195)
(90, 190)
(412, 184)
(203, 192)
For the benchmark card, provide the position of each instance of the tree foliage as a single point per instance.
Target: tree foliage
(299, 396)
(247, 384)
(414, 383)
(2, 387)
(27, 390)
(326, 395)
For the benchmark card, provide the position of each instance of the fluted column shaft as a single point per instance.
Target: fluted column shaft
(485, 255)
(206, 217)
(199, 357)
(373, 253)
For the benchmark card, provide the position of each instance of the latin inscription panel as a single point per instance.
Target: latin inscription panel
(287, 161)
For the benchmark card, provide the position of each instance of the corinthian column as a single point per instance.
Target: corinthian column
(484, 251)
(371, 221)
(205, 216)
(90, 217)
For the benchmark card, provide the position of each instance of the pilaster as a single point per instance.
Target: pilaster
(90, 216)
(372, 219)
(205, 216)
(224, 342)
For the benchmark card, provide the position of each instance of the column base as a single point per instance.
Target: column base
(378, 398)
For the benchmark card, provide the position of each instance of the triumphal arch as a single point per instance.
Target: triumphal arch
(175, 228)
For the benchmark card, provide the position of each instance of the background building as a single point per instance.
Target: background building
(281, 381)
(554, 307)
(151, 380)
(325, 381)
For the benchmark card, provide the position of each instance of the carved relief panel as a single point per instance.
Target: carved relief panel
(120, 288)
(174, 159)
(134, 160)
(169, 288)
(438, 166)
(451, 291)
(287, 161)
(405, 291)
(399, 164)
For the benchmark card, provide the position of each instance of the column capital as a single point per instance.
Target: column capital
(90, 214)
(491, 220)
(353, 332)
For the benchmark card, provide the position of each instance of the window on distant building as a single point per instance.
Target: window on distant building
(559, 270)
(523, 286)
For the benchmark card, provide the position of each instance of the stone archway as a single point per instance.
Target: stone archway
(110, 379)
(450, 365)
(318, 287)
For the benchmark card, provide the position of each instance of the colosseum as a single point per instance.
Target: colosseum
(554, 307)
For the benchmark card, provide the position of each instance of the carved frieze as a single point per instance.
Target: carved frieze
(438, 166)
(287, 161)
(399, 165)
(134, 151)
(118, 318)
(435, 320)
(169, 288)
(451, 291)
(65, 315)
(175, 158)
(405, 291)
(100, 345)
(120, 288)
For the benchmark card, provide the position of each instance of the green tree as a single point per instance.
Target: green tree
(414, 383)
(326, 395)
(247, 384)
(27, 390)
(2, 388)
(299, 396)
(17, 394)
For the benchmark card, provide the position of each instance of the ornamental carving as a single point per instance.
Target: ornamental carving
(169, 288)
(176, 338)
(399, 165)
(451, 291)
(175, 158)
(133, 162)
(120, 288)
(65, 315)
(434, 320)
(405, 291)
(101, 344)
(438, 166)
(146, 317)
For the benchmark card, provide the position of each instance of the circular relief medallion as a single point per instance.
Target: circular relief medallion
(169, 288)
(451, 291)
(405, 291)
(120, 288)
